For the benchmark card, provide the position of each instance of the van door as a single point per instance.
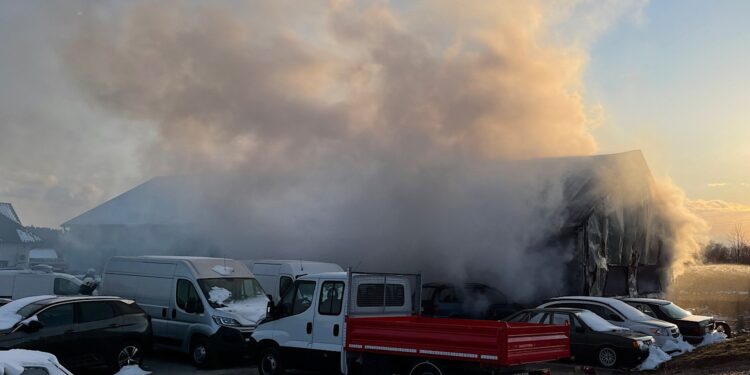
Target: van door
(32, 284)
(295, 328)
(187, 309)
(328, 325)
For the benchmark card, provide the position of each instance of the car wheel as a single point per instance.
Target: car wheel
(200, 353)
(128, 354)
(607, 357)
(426, 368)
(269, 362)
(724, 328)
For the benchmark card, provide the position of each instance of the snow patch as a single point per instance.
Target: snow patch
(655, 358)
(223, 270)
(218, 295)
(12, 361)
(132, 370)
(598, 324)
(9, 313)
(712, 338)
(679, 347)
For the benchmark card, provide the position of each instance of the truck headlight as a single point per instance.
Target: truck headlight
(229, 322)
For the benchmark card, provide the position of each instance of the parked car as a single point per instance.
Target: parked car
(470, 301)
(621, 314)
(593, 339)
(82, 332)
(19, 283)
(30, 362)
(207, 307)
(692, 327)
(276, 276)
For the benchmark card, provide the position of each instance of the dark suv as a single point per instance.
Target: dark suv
(470, 301)
(83, 332)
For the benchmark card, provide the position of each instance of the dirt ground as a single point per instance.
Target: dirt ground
(729, 357)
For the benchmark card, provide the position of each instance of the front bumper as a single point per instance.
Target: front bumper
(233, 342)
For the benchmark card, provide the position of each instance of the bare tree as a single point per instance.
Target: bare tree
(737, 241)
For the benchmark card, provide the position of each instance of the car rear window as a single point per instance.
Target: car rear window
(95, 311)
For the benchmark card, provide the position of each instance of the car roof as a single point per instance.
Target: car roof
(606, 300)
(60, 299)
(558, 309)
(645, 300)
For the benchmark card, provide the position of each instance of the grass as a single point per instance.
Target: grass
(731, 354)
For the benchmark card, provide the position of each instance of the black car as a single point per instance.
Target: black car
(692, 327)
(593, 339)
(82, 332)
(470, 301)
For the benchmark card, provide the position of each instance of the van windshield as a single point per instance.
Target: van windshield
(222, 292)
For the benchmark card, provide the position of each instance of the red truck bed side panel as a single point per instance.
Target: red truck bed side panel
(491, 342)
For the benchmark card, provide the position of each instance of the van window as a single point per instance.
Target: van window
(303, 297)
(331, 298)
(378, 295)
(57, 316)
(65, 287)
(95, 311)
(285, 282)
(187, 297)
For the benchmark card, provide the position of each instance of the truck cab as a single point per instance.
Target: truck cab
(306, 329)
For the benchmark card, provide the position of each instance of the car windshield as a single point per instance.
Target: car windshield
(630, 312)
(674, 311)
(225, 291)
(598, 324)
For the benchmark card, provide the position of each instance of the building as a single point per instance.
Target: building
(612, 230)
(15, 240)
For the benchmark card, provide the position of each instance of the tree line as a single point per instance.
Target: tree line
(735, 250)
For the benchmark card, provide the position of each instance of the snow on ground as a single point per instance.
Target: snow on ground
(253, 309)
(12, 361)
(712, 338)
(681, 347)
(9, 313)
(218, 295)
(656, 357)
(132, 370)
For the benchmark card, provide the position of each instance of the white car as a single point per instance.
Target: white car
(622, 315)
(30, 362)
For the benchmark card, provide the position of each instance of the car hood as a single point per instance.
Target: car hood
(658, 323)
(696, 319)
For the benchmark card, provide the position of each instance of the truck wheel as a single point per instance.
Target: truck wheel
(426, 368)
(269, 362)
(607, 357)
(200, 353)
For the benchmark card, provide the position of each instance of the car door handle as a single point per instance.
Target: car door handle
(335, 330)
(309, 328)
(174, 313)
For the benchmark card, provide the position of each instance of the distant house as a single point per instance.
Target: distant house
(612, 232)
(15, 240)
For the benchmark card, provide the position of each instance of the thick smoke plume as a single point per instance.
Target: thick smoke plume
(363, 132)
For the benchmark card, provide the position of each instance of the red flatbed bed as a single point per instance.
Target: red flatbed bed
(488, 343)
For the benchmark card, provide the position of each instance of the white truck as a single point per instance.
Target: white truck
(343, 322)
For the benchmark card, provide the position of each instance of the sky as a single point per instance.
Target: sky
(670, 79)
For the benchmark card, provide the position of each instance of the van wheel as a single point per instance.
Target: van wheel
(201, 354)
(607, 357)
(269, 362)
(426, 368)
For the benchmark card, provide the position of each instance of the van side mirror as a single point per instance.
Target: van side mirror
(32, 326)
(270, 308)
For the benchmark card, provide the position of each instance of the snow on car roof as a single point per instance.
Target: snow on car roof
(9, 312)
(630, 312)
(597, 323)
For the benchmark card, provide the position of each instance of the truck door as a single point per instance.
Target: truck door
(328, 325)
(295, 328)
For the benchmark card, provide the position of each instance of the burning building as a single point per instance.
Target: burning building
(604, 228)
(15, 241)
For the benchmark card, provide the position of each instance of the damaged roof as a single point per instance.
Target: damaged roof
(11, 229)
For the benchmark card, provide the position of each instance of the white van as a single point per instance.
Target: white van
(20, 283)
(277, 275)
(201, 306)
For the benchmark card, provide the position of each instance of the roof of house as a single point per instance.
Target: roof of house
(11, 229)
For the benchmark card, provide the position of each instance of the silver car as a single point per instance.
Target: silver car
(623, 315)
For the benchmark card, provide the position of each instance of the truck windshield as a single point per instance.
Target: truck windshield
(225, 291)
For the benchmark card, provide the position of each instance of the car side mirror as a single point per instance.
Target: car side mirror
(32, 326)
